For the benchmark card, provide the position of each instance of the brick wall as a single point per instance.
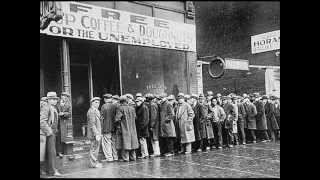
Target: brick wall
(225, 29)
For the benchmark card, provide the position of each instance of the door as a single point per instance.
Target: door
(80, 97)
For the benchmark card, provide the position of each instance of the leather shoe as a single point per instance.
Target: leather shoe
(56, 173)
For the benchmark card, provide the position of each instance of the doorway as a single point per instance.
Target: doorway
(94, 71)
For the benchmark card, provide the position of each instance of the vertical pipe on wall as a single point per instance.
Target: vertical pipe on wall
(90, 78)
(65, 67)
(66, 81)
(120, 73)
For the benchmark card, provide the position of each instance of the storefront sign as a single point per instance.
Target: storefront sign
(102, 24)
(199, 77)
(236, 64)
(265, 42)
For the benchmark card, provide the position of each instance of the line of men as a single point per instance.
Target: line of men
(156, 125)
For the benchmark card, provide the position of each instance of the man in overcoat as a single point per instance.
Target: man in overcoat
(43, 138)
(251, 112)
(126, 115)
(241, 121)
(108, 113)
(153, 124)
(272, 124)
(197, 145)
(167, 131)
(231, 117)
(142, 125)
(217, 116)
(185, 117)
(94, 132)
(277, 113)
(65, 122)
(205, 123)
(261, 118)
(49, 128)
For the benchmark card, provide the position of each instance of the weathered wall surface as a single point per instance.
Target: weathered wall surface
(225, 29)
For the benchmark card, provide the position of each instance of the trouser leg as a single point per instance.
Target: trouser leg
(170, 142)
(241, 132)
(43, 140)
(188, 147)
(265, 134)
(155, 147)
(125, 154)
(144, 147)
(58, 143)
(229, 136)
(235, 138)
(106, 146)
(51, 154)
(217, 134)
(94, 152)
(113, 147)
(253, 134)
(132, 155)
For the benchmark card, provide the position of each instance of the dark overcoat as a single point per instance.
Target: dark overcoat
(242, 114)
(154, 120)
(126, 115)
(142, 121)
(270, 115)
(231, 116)
(251, 116)
(166, 120)
(261, 116)
(196, 122)
(277, 114)
(65, 121)
(108, 112)
(205, 122)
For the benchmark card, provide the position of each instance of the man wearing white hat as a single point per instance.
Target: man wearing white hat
(94, 132)
(49, 127)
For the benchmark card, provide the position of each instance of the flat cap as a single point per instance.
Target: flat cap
(65, 94)
(115, 97)
(95, 99)
(210, 93)
(187, 96)
(139, 99)
(44, 99)
(171, 97)
(264, 97)
(194, 96)
(129, 96)
(201, 96)
(218, 95)
(107, 95)
(123, 98)
(138, 95)
(180, 95)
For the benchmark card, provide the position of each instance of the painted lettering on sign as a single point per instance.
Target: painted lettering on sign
(102, 24)
(265, 42)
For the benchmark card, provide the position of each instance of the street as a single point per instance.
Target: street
(261, 160)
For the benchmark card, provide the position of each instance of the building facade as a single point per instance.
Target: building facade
(118, 47)
(225, 29)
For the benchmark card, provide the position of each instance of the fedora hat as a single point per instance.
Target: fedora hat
(52, 95)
